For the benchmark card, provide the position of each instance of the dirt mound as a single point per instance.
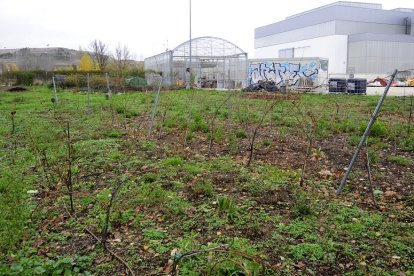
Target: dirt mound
(269, 96)
(17, 89)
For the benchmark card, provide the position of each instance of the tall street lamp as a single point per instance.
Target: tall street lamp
(189, 66)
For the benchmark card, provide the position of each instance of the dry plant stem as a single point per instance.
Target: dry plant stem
(210, 144)
(162, 124)
(367, 130)
(106, 248)
(193, 253)
(395, 141)
(187, 117)
(46, 169)
(125, 115)
(213, 119)
(69, 183)
(111, 252)
(310, 134)
(308, 152)
(337, 111)
(368, 166)
(13, 113)
(256, 132)
(112, 113)
(108, 214)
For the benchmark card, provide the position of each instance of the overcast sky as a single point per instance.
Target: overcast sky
(146, 27)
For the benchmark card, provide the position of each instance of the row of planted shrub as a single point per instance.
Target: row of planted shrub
(72, 78)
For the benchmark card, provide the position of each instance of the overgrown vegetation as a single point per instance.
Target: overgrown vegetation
(188, 203)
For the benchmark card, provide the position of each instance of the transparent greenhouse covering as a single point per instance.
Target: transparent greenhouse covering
(207, 47)
(214, 63)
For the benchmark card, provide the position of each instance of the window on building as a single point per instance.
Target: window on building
(287, 53)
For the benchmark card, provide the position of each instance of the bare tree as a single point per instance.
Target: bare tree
(121, 61)
(100, 53)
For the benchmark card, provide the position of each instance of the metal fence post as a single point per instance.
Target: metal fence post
(364, 136)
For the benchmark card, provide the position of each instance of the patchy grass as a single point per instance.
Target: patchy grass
(177, 196)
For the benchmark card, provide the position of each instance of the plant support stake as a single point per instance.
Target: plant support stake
(89, 94)
(364, 136)
(155, 107)
(54, 89)
(107, 85)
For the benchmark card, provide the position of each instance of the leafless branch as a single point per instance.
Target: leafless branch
(100, 53)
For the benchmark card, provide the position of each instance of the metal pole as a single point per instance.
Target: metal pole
(54, 89)
(364, 136)
(189, 66)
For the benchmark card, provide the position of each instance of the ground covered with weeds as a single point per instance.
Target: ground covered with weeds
(182, 200)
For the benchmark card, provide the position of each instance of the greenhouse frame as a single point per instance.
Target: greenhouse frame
(215, 63)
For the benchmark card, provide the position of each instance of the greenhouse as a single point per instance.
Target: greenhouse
(212, 63)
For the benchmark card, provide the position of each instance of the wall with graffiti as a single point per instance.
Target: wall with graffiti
(293, 73)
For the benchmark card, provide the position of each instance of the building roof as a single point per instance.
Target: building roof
(208, 46)
(345, 11)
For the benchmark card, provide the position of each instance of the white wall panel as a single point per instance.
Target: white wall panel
(324, 29)
(333, 47)
(380, 57)
(351, 27)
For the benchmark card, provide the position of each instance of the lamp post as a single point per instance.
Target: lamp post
(189, 66)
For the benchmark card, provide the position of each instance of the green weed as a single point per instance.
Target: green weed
(400, 160)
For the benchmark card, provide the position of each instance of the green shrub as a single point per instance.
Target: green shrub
(61, 265)
(199, 126)
(400, 160)
(24, 78)
(113, 133)
(241, 133)
(14, 210)
(303, 205)
(228, 206)
(309, 251)
(204, 188)
(75, 81)
(149, 177)
(378, 129)
(97, 82)
(173, 161)
(266, 142)
(128, 113)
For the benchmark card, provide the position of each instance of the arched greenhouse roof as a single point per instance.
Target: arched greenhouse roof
(208, 46)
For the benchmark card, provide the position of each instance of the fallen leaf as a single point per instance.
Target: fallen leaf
(390, 193)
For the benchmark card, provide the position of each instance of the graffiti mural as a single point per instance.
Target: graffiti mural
(281, 73)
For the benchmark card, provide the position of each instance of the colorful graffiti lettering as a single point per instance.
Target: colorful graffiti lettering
(282, 73)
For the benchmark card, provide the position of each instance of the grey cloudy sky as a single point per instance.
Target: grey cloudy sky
(146, 27)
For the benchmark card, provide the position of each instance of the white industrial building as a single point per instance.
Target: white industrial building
(356, 38)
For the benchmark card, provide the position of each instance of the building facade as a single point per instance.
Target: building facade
(356, 38)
